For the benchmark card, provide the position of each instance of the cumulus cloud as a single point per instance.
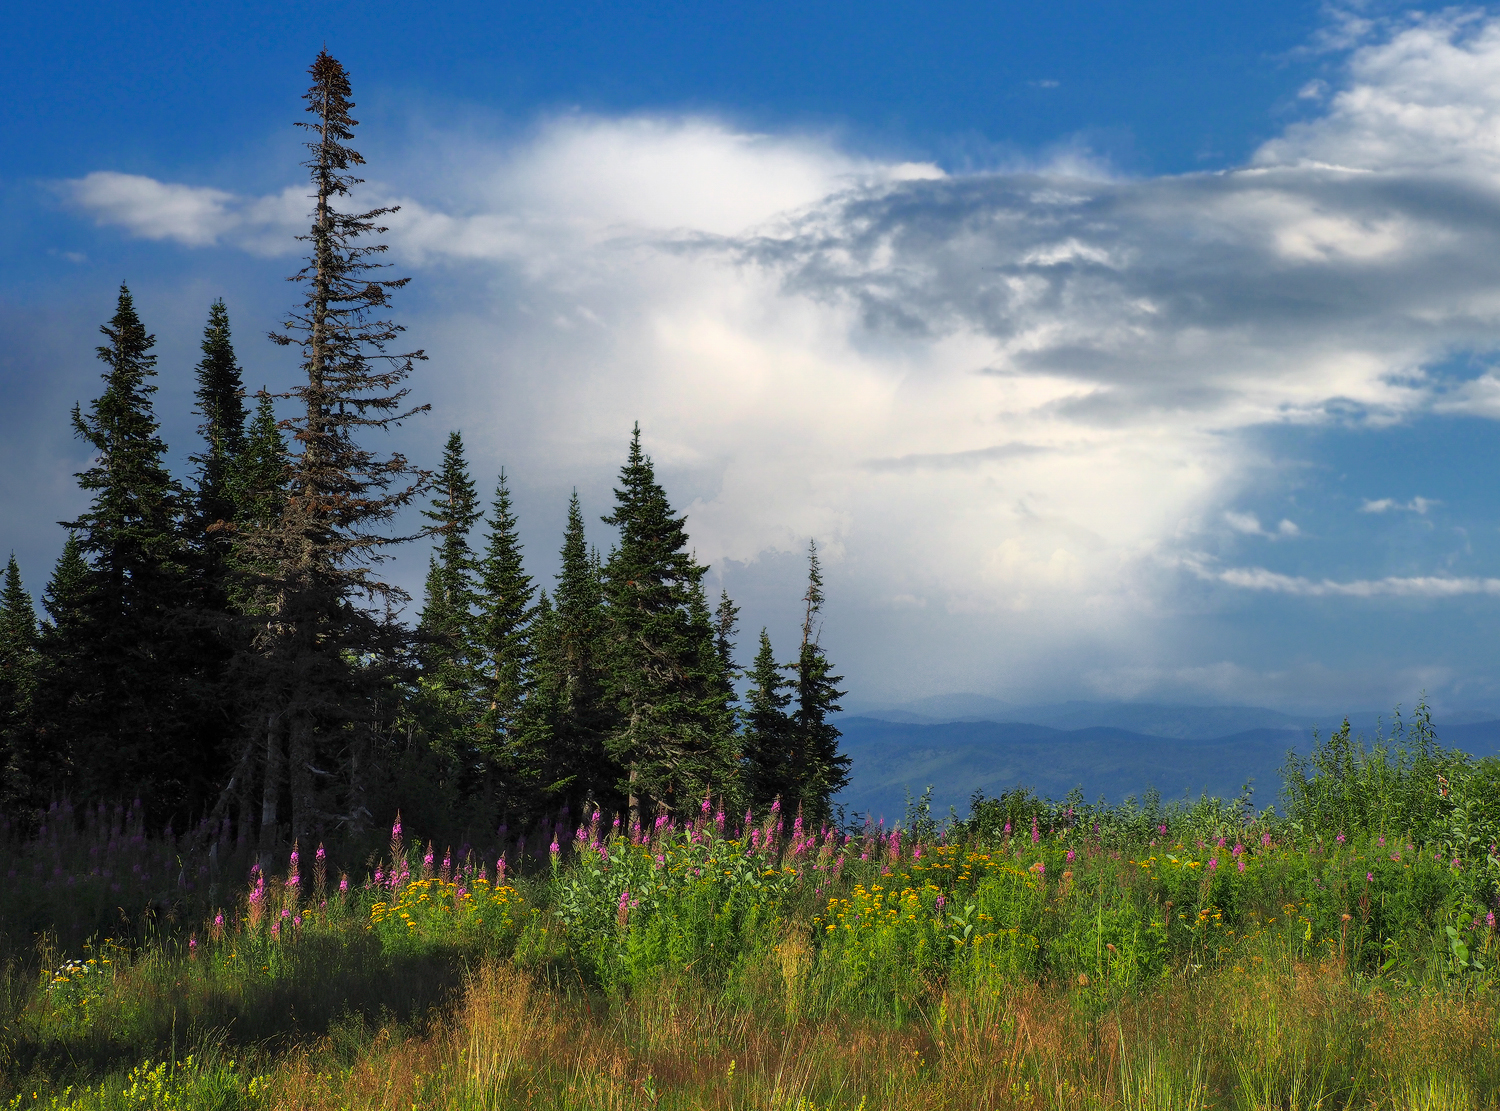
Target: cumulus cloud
(1001, 400)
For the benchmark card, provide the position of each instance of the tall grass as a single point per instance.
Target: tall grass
(1038, 956)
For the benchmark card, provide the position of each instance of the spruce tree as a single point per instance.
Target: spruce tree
(19, 782)
(503, 648)
(210, 628)
(821, 770)
(568, 716)
(767, 771)
(450, 703)
(131, 718)
(675, 736)
(329, 647)
(221, 404)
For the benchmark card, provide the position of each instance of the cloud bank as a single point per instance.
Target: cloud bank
(1010, 405)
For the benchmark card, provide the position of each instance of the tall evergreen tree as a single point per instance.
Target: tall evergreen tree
(210, 623)
(567, 716)
(221, 403)
(132, 718)
(18, 673)
(503, 645)
(451, 699)
(675, 737)
(62, 645)
(767, 772)
(328, 648)
(823, 771)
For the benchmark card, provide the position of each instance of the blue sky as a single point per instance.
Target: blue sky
(1139, 351)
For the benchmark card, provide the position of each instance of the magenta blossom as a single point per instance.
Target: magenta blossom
(1071, 854)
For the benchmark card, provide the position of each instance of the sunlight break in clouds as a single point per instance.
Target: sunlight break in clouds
(1007, 404)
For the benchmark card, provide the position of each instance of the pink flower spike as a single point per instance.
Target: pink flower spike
(1369, 877)
(1242, 865)
(1070, 856)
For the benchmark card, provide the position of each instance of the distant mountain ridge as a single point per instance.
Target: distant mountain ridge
(1109, 750)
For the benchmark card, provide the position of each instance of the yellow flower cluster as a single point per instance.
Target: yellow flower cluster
(438, 904)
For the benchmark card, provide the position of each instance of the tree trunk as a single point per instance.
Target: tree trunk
(271, 789)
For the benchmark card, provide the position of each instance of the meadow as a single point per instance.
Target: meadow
(1338, 953)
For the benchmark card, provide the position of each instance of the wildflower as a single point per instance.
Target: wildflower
(1161, 829)
(1489, 920)
(554, 848)
(1070, 856)
(320, 855)
(1340, 838)
(1369, 877)
(297, 921)
(1213, 864)
(1380, 841)
(1265, 840)
(1242, 866)
(1035, 833)
(1007, 828)
(1237, 850)
(193, 944)
(343, 883)
(219, 921)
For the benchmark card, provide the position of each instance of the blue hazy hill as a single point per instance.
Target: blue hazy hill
(957, 758)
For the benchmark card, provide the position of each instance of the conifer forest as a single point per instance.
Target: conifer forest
(274, 835)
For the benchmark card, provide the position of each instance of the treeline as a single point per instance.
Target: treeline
(223, 648)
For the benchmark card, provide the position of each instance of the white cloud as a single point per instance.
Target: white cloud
(1249, 524)
(1426, 586)
(1001, 400)
(1387, 505)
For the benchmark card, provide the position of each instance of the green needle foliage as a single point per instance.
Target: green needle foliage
(128, 714)
(504, 657)
(19, 781)
(768, 772)
(675, 734)
(822, 770)
(571, 710)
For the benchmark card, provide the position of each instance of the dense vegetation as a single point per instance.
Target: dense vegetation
(224, 650)
(1037, 955)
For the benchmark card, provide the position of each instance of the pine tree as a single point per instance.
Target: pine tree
(503, 646)
(132, 715)
(328, 647)
(822, 771)
(675, 737)
(767, 772)
(19, 660)
(61, 659)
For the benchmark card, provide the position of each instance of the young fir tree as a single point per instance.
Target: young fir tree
(328, 648)
(210, 622)
(767, 772)
(19, 784)
(820, 770)
(132, 714)
(450, 703)
(675, 737)
(567, 716)
(221, 403)
(503, 650)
